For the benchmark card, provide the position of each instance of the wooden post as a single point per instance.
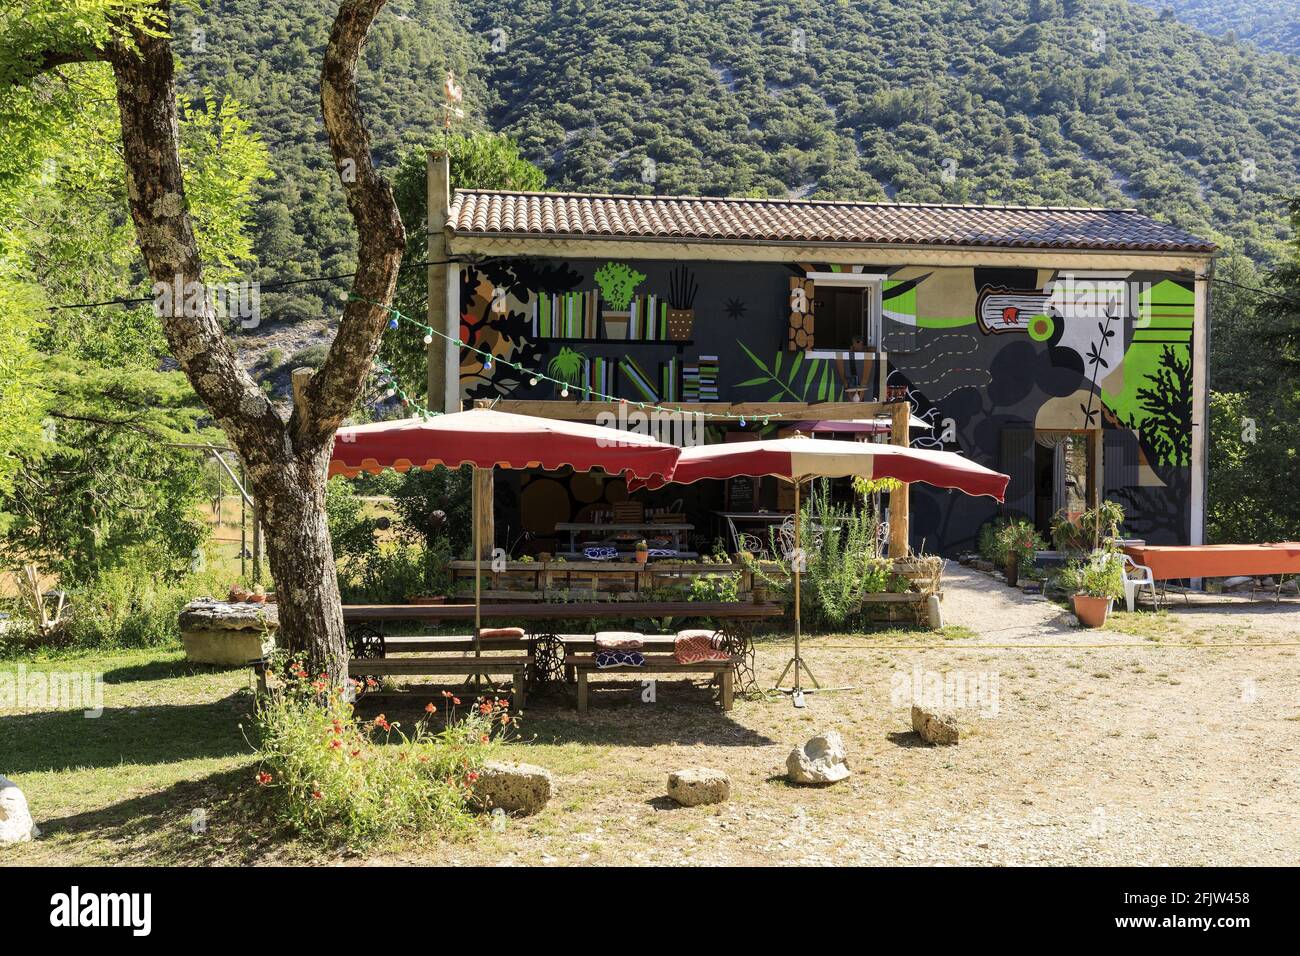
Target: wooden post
(900, 498)
(485, 488)
(438, 181)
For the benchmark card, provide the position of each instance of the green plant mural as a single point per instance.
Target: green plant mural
(618, 282)
(798, 380)
(567, 366)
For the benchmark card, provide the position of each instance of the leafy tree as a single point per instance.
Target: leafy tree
(286, 459)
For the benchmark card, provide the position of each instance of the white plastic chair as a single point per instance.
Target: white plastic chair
(1137, 576)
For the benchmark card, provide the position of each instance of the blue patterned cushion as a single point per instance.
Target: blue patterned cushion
(620, 659)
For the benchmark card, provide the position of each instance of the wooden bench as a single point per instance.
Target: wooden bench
(515, 667)
(584, 665)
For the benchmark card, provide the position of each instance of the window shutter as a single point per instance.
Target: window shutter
(1018, 462)
(802, 298)
(1119, 457)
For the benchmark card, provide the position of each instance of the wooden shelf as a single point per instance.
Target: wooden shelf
(578, 341)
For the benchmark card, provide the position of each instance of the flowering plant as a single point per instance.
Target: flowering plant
(354, 781)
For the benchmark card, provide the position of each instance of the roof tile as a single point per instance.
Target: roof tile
(592, 216)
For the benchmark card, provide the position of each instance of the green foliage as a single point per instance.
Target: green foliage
(105, 489)
(1254, 460)
(475, 160)
(1095, 526)
(841, 562)
(618, 282)
(349, 782)
(799, 380)
(1101, 575)
(1017, 539)
(1271, 24)
(715, 587)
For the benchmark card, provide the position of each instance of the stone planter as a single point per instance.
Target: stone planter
(1091, 611)
(220, 632)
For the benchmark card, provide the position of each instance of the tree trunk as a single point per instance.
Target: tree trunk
(286, 461)
(301, 556)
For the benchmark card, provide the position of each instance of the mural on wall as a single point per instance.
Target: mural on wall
(977, 352)
(495, 300)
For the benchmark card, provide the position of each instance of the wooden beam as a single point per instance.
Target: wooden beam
(895, 255)
(788, 411)
(900, 503)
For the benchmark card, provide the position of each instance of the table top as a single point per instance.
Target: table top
(754, 515)
(1217, 560)
(560, 612)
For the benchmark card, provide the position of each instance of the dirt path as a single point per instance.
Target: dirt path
(1160, 754)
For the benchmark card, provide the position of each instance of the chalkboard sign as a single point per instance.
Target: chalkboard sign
(740, 493)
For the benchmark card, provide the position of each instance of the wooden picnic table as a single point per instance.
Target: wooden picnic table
(734, 620)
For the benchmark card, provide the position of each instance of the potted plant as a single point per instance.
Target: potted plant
(1016, 543)
(1096, 584)
(567, 367)
(642, 551)
(682, 288)
(618, 282)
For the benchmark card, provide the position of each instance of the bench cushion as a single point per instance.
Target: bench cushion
(619, 659)
(693, 646)
(487, 633)
(619, 641)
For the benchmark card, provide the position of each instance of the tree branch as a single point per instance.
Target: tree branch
(381, 239)
(146, 95)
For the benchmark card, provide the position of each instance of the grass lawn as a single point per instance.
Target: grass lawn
(1118, 719)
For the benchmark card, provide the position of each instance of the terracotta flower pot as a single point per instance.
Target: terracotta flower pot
(1091, 611)
(680, 324)
(428, 599)
(616, 324)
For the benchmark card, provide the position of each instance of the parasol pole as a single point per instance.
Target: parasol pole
(798, 573)
(796, 568)
(476, 504)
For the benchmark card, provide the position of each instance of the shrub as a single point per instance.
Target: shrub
(1018, 537)
(347, 781)
(1102, 575)
(842, 564)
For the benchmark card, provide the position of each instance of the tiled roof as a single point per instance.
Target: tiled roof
(687, 218)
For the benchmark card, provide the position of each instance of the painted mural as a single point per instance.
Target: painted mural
(1000, 363)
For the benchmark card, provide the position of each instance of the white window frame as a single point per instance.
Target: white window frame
(872, 281)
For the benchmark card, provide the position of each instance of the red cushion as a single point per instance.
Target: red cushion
(500, 632)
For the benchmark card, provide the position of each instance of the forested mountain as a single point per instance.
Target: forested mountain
(1028, 101)
(1271, 24)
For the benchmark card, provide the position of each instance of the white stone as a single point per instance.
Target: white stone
(819, 760)
(16, 824)
(934, 728)
(514, 787)
(698, 785)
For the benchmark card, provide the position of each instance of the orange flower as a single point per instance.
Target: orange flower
(429, 708)
(316, 795)
(263, 778)
(336, 743)
(471, 776)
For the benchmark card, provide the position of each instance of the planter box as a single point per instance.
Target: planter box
(219, 632)
(220, 646)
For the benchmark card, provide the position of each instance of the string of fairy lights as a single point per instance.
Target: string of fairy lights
(534, 376)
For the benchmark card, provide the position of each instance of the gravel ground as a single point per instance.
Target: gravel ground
(1137, 752)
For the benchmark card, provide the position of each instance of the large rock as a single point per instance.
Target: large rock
(934, 728)
(819, 760)
(221, 632)
(514, 787)
(16, 824)
(698, 785)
